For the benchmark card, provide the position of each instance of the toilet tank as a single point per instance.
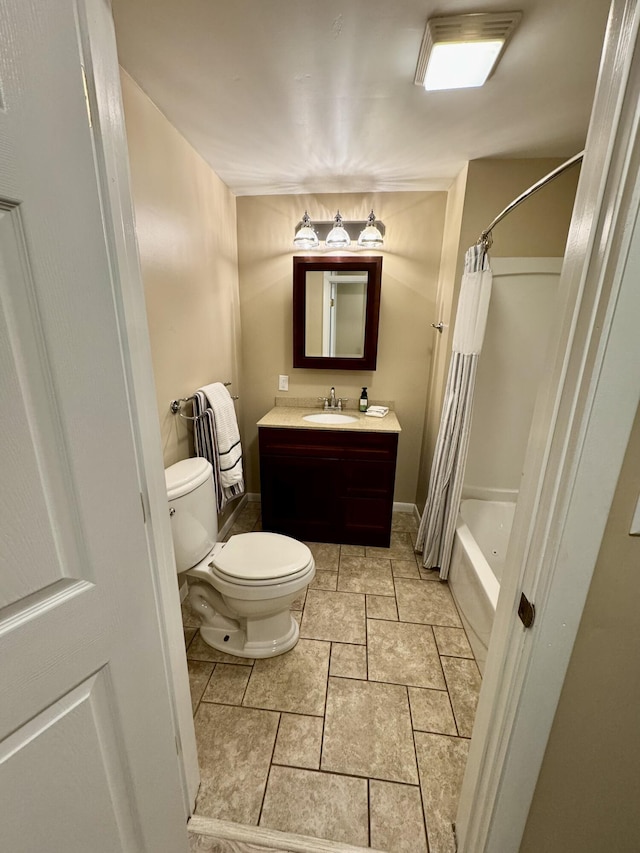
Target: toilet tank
(194, 521)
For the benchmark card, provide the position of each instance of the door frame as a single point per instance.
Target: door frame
(525, 672)
(104, 100)
(579, 435)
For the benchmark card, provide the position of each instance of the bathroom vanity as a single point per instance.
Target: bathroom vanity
(328, 482)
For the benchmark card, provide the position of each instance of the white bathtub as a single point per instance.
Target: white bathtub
(479, 550)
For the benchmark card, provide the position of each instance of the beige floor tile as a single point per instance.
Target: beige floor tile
(381, 607)
(428, 603)
(322, 805)
(368, 732)
(326, 555)
(189, 634)
(227, 684)
(299, 741)
(337, 616)
(295, 681)
(234, 753)
(431, 711)
(199, 674)
(441, 761)
(403, 653)
(400, 548)
(199, 650)
(429, 574)
(397, 822)
(452, 642)
(351, 551)
(297, 615)
(324, 580)
(463, 683)
(404, 569)
(348, 661)
(404, 522)
(363, 574)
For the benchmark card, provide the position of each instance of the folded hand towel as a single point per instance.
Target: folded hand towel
(377, 411)
(217, 438)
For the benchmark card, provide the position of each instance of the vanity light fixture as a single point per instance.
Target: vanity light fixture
(370, 236)
(339, 234)
(338, 237)
(306, 237)
(461, 51)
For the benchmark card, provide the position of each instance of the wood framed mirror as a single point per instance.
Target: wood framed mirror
(336, 311)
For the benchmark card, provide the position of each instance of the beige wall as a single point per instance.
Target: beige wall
(414, 225)
(186, 229)
(588, 790)
(537, 228)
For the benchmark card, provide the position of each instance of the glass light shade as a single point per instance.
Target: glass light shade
(306, 237)
(460, 65)
(370, 237)
(337, 238)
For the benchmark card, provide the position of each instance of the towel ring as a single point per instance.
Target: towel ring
(175, 406)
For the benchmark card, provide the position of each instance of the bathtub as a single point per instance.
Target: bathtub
(477, 560)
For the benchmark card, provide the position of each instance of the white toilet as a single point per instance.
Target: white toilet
(248, 583)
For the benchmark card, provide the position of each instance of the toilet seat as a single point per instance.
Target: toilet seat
(261, 559)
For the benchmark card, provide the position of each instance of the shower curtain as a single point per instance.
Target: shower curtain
(438, 523)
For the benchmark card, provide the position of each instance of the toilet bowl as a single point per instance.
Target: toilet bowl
(242, 589)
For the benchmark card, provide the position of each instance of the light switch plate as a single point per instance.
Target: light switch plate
(283, 383)
(635, 524)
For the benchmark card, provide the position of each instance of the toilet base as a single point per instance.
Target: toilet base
(251, 643)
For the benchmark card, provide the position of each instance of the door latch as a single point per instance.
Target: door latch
(526, 611)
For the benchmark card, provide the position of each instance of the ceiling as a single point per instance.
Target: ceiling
(287, 96)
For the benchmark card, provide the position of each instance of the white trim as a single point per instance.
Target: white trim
(581, 428)
(112, 158)
(269, 839)
(398, 506)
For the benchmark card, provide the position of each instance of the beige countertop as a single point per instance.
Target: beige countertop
(291, 417)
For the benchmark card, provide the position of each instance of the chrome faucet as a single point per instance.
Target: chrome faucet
(331, 403)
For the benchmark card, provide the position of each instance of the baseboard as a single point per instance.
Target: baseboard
(226, 527)
(254, 497)
(255, 838)
(402, 507)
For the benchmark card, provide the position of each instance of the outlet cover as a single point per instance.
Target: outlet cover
(283, 383)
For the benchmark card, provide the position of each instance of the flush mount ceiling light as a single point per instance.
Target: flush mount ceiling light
(461, 51)
(306, 237)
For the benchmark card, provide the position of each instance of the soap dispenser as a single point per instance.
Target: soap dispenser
(364, 401)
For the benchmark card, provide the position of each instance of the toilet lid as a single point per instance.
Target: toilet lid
(262, 556)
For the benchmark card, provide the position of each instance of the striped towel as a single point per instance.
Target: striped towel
(216, 437)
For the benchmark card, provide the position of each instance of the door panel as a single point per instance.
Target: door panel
(87, 741)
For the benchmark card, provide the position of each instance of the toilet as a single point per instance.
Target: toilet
(244, 587)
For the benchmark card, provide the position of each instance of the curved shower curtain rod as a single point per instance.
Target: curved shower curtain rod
(485, 238)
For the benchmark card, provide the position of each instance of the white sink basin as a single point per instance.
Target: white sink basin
(329, 418)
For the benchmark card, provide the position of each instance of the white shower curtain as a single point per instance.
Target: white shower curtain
(438, 524)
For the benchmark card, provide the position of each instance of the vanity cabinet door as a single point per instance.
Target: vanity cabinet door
(298, 497)
(367, 502)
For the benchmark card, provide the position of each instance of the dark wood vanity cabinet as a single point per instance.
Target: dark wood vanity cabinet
(328, 485)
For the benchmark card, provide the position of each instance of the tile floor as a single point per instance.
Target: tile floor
(360, 733)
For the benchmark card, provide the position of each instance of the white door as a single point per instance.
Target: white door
(87, 746)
